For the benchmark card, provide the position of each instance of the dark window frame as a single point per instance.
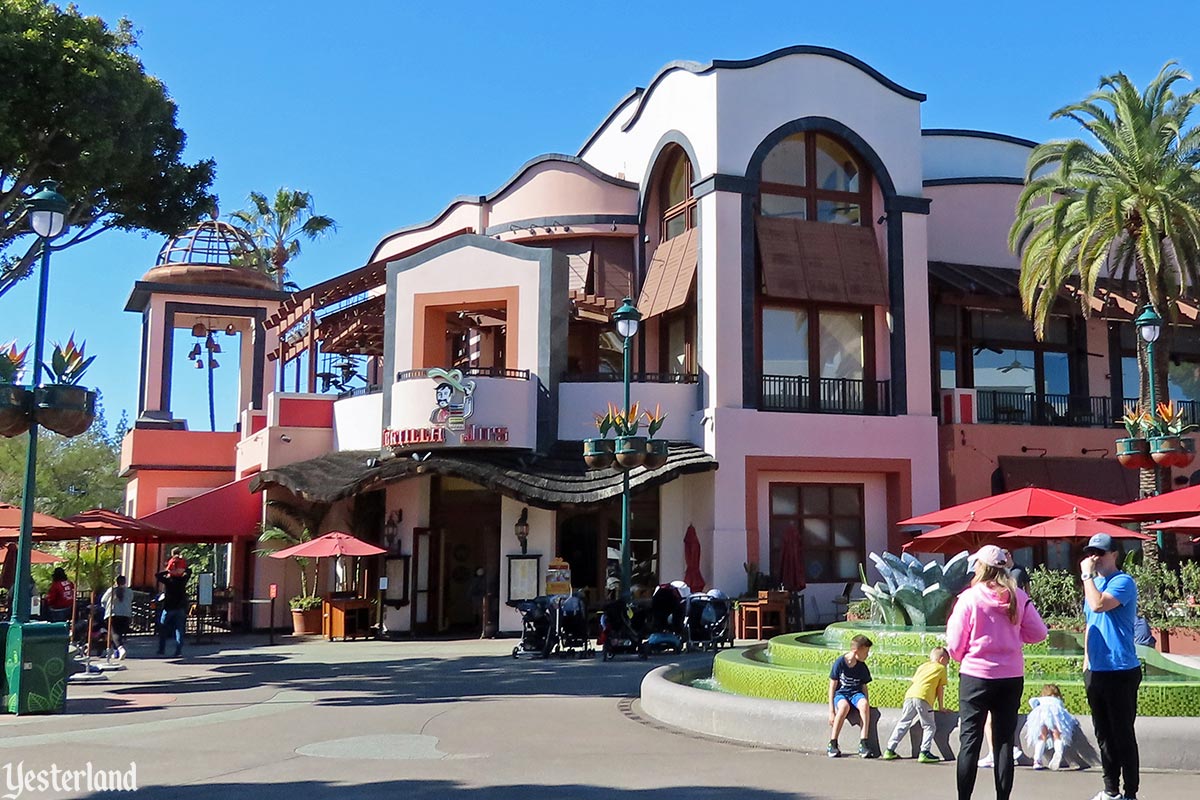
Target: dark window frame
(813, 309)
(676, 157)
(813, 194)
(830, 550)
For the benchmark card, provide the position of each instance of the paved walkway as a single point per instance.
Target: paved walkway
(457, 720)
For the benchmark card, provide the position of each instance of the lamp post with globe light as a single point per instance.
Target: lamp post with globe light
(1149, 326)
(628, 318)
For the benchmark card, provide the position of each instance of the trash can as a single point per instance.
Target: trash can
(35, 667)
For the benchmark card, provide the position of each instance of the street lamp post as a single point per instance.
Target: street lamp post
(1149, 326)
(628, 319)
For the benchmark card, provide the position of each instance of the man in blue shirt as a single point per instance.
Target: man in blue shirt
(1111, 670)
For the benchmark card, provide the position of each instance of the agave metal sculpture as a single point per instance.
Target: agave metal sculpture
(915, 594)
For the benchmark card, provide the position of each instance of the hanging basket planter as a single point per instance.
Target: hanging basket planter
(656, 453)
(1167, 451)
(631, 451)
(1134, 453)
(15, 405)
(1187, 453)
(66, 410)
(598, 453)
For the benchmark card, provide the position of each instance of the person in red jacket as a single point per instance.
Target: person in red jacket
(61, 597)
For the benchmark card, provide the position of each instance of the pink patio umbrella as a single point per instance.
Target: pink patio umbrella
(691, 559)
(791, 561)
(335, 543)
(1028, 504)
(969, 534)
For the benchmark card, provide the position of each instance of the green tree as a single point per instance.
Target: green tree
(76, 105)
(73, 474)
(278, 225)
(1125, 202)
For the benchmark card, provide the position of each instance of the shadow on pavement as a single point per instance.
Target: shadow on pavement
(312, 790)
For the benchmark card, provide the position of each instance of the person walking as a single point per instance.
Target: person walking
(991, 621)
(1111, 669)
(117, 602)
(173, 615)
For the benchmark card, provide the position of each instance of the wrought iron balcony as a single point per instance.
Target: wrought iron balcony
(636, 377)
(825, 395)
(1029, 408)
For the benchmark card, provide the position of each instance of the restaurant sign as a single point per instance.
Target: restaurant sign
(454, 405)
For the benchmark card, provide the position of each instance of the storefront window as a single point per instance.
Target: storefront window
(830, 520)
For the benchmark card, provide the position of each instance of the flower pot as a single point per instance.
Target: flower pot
(631, 451)
(1134, 453)
(307, 622)
(1187, 452)
(66, 410)
(656, 453)
(598, 453)
(1166, 450)
(15, 405)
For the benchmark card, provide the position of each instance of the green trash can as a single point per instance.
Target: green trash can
(35, 667)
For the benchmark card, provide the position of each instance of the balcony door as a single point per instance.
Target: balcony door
(818, 358)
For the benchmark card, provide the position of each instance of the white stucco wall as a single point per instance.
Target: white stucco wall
(963, 156)
(357, 422)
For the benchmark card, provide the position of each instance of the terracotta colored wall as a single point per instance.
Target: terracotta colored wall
(145, 447)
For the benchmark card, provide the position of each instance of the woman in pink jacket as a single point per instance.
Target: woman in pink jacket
(991, 620)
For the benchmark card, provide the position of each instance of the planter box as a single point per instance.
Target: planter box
(307, 623)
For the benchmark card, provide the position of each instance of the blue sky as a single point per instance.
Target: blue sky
(386, 110)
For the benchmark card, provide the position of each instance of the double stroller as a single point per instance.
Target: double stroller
(621, 627)
(706, 621)
(552, 624)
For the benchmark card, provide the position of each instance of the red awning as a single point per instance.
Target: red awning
(218, 515)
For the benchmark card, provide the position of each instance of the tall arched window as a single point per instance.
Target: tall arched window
(815, 177)
(821, 279)
(677, 205)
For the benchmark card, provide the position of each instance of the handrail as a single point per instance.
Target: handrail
(831, 395)
(469, 372)
(1030, 408)
(636, 377)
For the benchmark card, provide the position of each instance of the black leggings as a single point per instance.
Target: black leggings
(976, 697)
(1113, 698)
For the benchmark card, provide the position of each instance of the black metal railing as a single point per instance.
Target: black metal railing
(1030, 408)
(826, 395)
(359, 391)
(636, 377)
(469, 372)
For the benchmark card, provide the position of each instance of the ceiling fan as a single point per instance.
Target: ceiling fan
(979, 348)
(1016, 364)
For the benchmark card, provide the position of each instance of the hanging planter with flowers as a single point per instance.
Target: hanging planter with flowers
(16, 401)
(63, 405)
(630, 448)
(598, 453)
(656, 449)
(1169, 448)
(1134, 451)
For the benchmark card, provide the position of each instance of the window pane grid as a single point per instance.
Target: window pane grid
(831, 524)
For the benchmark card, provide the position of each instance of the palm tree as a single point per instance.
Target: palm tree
(277, 227)
(1125, 203)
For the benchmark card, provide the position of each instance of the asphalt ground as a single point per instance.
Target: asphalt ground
(238, 718)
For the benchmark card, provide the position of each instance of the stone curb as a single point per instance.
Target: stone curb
(667, 697)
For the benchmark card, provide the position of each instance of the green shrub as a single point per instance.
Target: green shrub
(1058, 595)
(1158, 591)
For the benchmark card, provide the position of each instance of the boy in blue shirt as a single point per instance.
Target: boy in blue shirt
(848, 681)
(1111, 669)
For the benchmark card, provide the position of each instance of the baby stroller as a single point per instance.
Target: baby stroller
(570, 630)
(99, 632)
(666, 630)
(537, 633)
(620, 627)
(706, 621)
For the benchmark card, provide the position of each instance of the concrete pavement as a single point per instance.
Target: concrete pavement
(313, 719)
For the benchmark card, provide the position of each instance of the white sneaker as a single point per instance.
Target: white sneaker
(986, 762)
(1103, 795)
(1056, 759)
(121, 653)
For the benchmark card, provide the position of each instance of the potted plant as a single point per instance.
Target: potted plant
(306, 606)
(656, 449)
(15, 400)
(598, 453)
(1168, 448)
(1134, 451)
(630, 448)
(306, 614)
(63, 405)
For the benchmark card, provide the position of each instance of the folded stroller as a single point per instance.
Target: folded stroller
(537, 631)
(706, 622)
(570, 629)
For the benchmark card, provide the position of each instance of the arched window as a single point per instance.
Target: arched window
(814, 176)
(677, 205)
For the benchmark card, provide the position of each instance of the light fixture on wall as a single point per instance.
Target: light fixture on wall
(521, 529)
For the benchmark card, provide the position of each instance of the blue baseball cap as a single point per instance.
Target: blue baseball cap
(1101, 543)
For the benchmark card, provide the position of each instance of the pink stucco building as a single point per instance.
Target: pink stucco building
(830, 323)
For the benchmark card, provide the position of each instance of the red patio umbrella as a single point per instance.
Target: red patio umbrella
(1030, 503)
(1072, 526)
(691, 559)
(35, 556)
(791, 561)
(969, 534)
(100, 522)
(331, 544)
(1171, 505)
(1182, 525)
(10, 523)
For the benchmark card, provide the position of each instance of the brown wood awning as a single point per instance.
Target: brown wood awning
(671, 274)
(1101, 478)
(821, 261)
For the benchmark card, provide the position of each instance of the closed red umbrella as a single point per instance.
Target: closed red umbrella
(1072, 526)
(331, 544)
(1030, 503)
(969, 534)
(791, 561)
(692, 575)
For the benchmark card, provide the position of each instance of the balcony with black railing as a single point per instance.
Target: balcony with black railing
(825, 395)
(1029, 408)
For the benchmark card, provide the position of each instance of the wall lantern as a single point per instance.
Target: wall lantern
(521, 529)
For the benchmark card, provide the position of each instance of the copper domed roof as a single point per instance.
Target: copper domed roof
(206, 253)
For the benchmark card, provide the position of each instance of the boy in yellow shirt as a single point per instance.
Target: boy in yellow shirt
(928, 685)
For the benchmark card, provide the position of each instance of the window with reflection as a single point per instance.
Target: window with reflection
(814, 176)
(676, 203)
(1183, 366)
(802, 341)
(831, 523)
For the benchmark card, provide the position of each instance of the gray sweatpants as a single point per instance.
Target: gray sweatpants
(914, 710)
